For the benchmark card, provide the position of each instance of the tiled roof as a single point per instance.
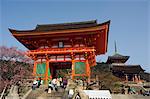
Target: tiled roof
(117, 57)
(127, 68)
(64, 26)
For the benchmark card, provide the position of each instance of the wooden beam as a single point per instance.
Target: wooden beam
(60, 50)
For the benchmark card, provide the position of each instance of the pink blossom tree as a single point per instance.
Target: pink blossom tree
(14, 65)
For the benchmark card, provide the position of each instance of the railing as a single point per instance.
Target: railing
(61, 50)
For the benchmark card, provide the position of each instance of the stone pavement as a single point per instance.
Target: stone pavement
(13, 93)
(126, 96)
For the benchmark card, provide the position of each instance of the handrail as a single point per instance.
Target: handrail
(61, 50)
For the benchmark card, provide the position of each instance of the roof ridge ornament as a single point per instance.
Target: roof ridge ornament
(116, 51)
(115, 47)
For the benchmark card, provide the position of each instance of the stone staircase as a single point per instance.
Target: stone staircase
(40, 93)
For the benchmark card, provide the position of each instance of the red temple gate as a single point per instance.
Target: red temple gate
(65, 43)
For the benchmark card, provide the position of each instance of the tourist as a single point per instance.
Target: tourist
(71, 93)
(50, 87)
(61, 82)
(54, 82)
(39, 82)
(64, 82)
(141, 92)
(129, 90)
(35, 83)
(57, 82)
(123, 91)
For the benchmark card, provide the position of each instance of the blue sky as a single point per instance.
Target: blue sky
(129, 22)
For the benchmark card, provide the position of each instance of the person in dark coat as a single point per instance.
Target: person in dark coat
(123, 91)
(39, 82)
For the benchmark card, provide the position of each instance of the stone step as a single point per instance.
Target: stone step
(40, 93)
(49, 98)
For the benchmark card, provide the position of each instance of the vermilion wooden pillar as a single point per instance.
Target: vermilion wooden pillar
(126, 76)
(133, 79)
(46, 71)
(88, 71)
(73, 69)
(34, 68)
(136, 78)
(139, 78)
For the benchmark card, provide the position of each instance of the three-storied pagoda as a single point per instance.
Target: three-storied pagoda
(67, 45)
(124, 71)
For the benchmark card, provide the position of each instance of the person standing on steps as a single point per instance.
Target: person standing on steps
(39, 82)
(64, 83)
(35, 84)
(54, 82)
(50, 87)
(129, 90)
(61, 82)
(123, 91)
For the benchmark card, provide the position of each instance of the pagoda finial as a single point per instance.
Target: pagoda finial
(115, 48)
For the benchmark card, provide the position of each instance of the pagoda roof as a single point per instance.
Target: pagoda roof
(127, 69)
(60, 26)
(117, 57)
(64, 26)
(42, 28)
(43, 33)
